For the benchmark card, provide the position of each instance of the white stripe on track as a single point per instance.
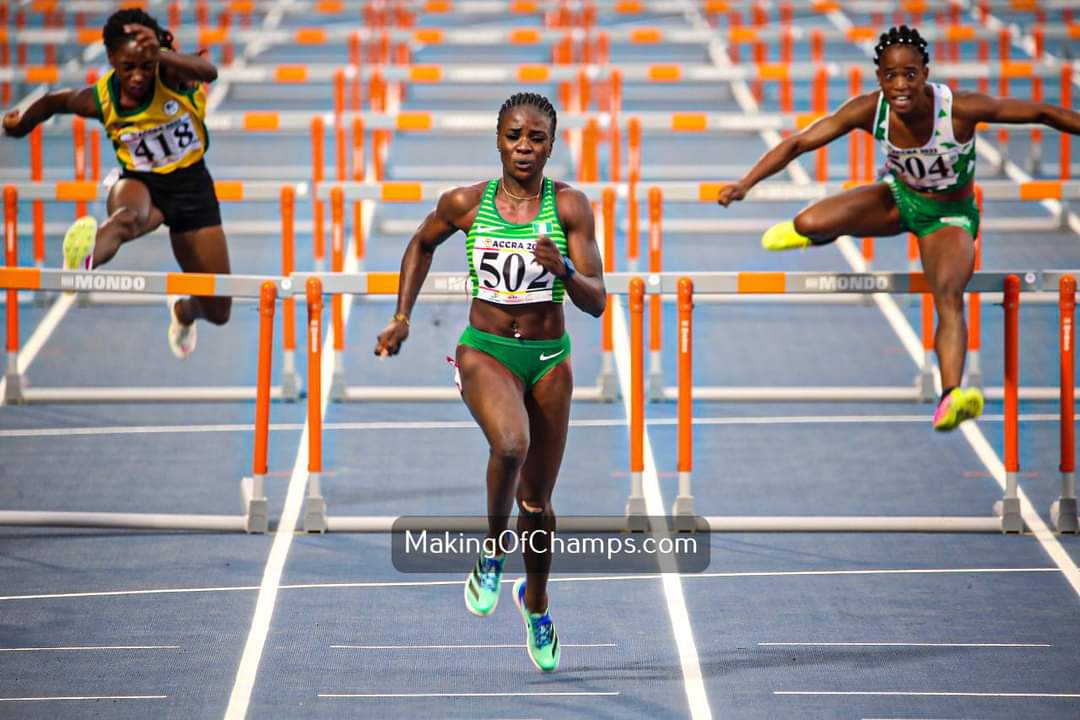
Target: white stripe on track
(92, 648)
(83, 697)
(390, 584)
(912, 693)
(905, 644)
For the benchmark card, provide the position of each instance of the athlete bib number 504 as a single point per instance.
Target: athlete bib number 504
(915, 167)
(512, 272)
(164, 144)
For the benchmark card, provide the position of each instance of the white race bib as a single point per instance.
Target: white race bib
(507, 272)
(162, 145)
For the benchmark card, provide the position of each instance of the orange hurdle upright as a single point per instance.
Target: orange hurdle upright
(607, 382)
(337, 264)
(13, 380)
(1063, 510)
(290, 380)
(1009, 506)
(635, 505)
(633, 175)
(314, 504)
(656, 308)
(253, 491)
(683, 509)
(318, 243)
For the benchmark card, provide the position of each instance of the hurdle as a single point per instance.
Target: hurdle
(1006, 512)
(1005, 518)
(105, 287)
(255, 514)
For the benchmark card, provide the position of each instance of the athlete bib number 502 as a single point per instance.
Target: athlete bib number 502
(163, 145)
(512, 272)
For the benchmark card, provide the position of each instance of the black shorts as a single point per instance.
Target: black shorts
(185, 197)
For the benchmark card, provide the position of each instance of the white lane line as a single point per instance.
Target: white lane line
(914, 693)
(905, 644)
(83, 697)
(244, 684)
(469, 694)
(377, 584)
(470, 425)
(693, 680)
(494, 646)
(89, 647)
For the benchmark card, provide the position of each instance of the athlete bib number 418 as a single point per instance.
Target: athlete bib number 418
(163, 145)
(509, 277)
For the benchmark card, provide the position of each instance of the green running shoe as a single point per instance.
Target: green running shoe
(783, 236)
(540, 635)
(959, 405)
(482, 585)
(79, 243)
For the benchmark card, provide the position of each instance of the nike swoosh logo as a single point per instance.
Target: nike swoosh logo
(485, 228)
(544, 357)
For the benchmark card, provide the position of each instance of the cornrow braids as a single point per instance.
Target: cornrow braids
(538, 101)
(113, 33)
(902, 35)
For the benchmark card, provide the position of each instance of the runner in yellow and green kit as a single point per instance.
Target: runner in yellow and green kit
(152, 104)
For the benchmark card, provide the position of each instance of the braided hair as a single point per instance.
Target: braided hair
(538, 101)
(902, 35)
(113, 33)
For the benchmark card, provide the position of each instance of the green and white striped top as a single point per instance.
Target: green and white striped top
(502, 268)
(941, 165)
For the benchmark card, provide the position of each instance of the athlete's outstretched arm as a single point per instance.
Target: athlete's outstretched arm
(447, 218)
(58, 102)
(976, 107)
(586, 286)
(855, 113)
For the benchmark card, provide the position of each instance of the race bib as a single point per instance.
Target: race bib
(922, 169)
(507, 272)
(162, 145)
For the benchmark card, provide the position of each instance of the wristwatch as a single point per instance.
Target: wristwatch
(570, 269)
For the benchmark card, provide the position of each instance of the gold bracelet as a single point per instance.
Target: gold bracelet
(402, 317)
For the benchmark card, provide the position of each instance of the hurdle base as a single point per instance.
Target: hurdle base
(924, 383)
(256, 510)
(682, 512)
(338, 388)
(132, 521)
(13, 389)
(654, 389)
(636, 519)
(315, 520)
(1063, 515)
(1008, 510)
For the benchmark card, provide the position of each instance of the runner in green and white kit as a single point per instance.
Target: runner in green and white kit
(530, 243)
(927, 187)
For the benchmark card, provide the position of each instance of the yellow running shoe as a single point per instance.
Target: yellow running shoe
(79, 243)
(783, 236)
(959, 405)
